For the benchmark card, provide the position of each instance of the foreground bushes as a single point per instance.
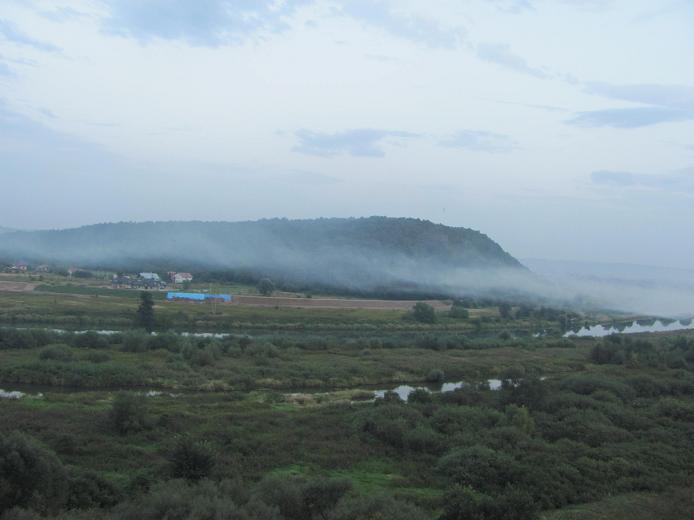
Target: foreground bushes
(33, 477)
(127, 414)
(30, 476)
(267, 345)
(26, 497)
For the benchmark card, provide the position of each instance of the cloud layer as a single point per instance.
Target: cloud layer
(10, 32)
(479, 141)
(679, 181)
(360, 142)
(662, 104)
(202, 22)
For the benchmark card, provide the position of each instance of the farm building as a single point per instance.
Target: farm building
(180, 277)
(122, 280)
(149, 281)
(198, 297)
(142, 281)
(20, 267)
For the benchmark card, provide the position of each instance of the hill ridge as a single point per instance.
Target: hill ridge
(359, 251)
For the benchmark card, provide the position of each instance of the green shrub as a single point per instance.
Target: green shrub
(423, 439)
(97, 357)
(178, 499)
(458, 312)
(435, 376)
(190, 460)
(58, 352)
(134, 342)
(466, 503)
(90, 339)
(378, 507)
(479, 467)
(89, 490)
(423, 313)
(30, 476)
(127, 414)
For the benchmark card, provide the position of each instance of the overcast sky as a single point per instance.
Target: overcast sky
(563, 129)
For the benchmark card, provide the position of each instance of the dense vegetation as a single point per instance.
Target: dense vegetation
(575, 421)
(276, 418)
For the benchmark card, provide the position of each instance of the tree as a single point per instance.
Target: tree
(30, 476)
(285, 494)
(190, 460)
(424, 313)
(89, 490)
(127, 414)
(244, 343)
(435, 376)
(321, 495)
(177, 499)
(379, 507)
(145, 312)
(505, 311)
(266, 287)
(480, 467)
(465, 503)
(459, 312)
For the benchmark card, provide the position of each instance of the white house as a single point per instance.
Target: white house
(182, 277)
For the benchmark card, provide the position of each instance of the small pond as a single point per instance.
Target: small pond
(404, 391)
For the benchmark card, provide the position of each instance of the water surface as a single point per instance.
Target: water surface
(635, 327)
(404, 391)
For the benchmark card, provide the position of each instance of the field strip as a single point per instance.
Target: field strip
(332, 303)
(17, 286)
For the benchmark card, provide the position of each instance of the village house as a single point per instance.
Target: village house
(19, 267)
(149, 281)
(179, 278)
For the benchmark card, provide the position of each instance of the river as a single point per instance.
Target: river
(404, 391)
(635, 327)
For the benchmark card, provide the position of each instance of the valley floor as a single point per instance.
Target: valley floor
(281, 410)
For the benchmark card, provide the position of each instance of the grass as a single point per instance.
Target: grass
(92, 303)
(87, 307)
(676, 504)
(332, 368)
(106, 306)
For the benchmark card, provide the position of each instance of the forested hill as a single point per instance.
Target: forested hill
(355, 251)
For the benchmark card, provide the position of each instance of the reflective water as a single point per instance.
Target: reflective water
(635, 327)
(21, 391)
(218, 335)
(404, 391)
(16, 394)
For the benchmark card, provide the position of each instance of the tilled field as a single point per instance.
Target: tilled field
(333, 303)
(16, 286)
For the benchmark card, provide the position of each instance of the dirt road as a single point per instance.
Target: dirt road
(332, 303)
(17, 286)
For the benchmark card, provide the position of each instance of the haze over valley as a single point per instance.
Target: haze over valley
(346, 259)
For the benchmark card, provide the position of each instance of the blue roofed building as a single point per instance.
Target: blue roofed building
(198, 297)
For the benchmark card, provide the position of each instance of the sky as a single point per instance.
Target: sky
(563, 129)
